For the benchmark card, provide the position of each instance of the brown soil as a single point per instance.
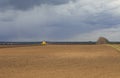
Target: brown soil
(60, 61)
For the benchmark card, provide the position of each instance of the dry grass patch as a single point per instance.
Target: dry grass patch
(115, 46)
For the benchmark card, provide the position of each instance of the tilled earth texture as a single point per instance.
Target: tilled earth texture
(60, 61)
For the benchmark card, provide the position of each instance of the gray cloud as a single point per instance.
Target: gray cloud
(103, 19)
(111, 33)
(27, 4)
(70, 21)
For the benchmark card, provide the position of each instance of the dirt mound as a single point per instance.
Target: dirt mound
(102, 40)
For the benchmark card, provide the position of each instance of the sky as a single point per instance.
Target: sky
(59, 20)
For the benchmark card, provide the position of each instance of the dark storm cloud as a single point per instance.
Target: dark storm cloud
(27, 4)
(81, 20)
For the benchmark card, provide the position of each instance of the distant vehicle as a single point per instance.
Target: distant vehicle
(44, 43)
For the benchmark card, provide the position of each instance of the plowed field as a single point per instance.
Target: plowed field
(60, 61)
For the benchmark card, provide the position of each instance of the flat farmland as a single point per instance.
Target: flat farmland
(60, 61)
